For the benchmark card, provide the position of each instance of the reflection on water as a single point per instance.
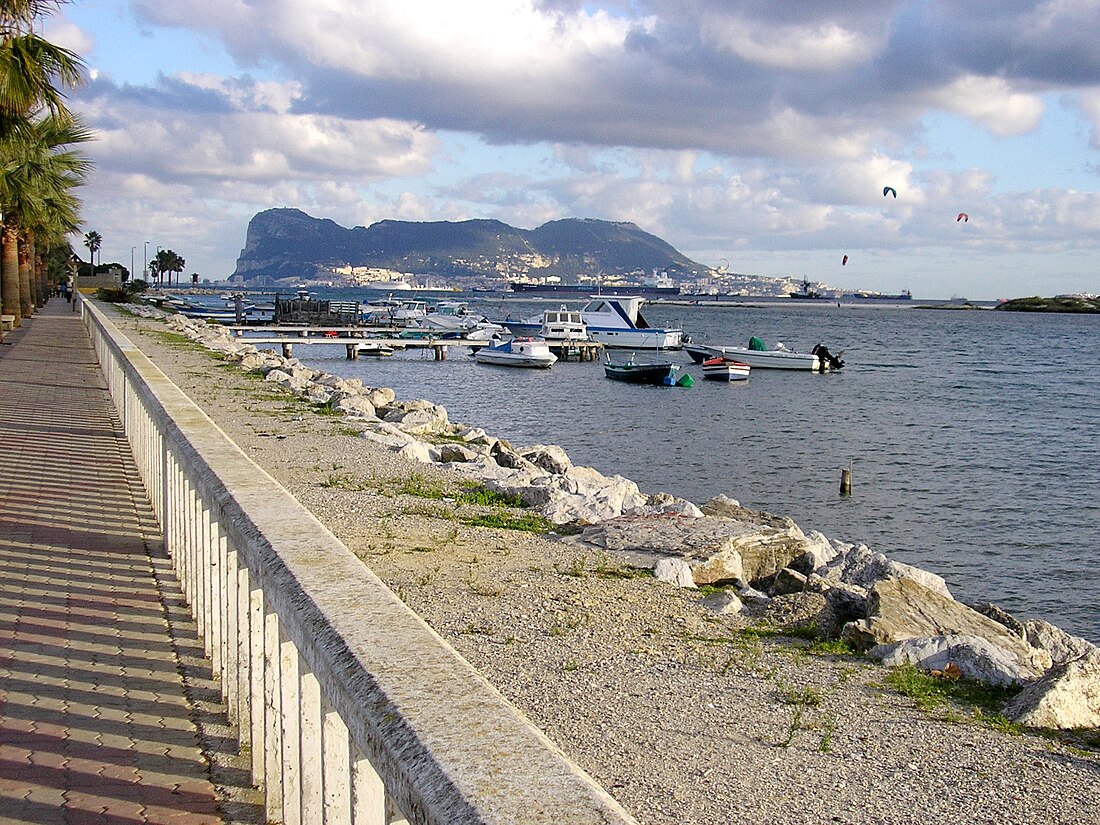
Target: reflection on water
(971, 435)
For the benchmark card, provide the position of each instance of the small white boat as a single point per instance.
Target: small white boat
(374, 348)
(722, 369)
(517, 352)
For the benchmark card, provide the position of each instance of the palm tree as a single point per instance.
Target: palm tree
(93, 241)
(37, 173)
(33, 76)
(169, 262)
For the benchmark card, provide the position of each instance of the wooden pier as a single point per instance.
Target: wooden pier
(352, 337)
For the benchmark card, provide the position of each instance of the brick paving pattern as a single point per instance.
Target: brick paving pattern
(105, 708)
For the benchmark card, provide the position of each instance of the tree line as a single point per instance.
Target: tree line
(41, 163)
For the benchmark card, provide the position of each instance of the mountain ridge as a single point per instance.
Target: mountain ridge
(284, 244)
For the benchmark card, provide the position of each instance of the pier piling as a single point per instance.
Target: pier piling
(846, 482)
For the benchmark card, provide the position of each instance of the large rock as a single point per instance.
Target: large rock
(975, 657)
(1065, 698)
(506, 456)
(861, 566)
(379, 396)
(759, 550)
(900, 609)
(1061, 646)
(417, 417)
(675, 571)
(355, 406)
(286, 381)
(550, 458)
(583, 496)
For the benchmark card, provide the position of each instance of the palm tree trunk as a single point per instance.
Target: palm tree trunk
(9, 272)
(26, 299)
(38, 283)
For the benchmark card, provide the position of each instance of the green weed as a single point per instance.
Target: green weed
(484, 497)
(528, 522)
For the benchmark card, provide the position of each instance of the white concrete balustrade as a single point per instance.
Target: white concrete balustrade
(353, 709)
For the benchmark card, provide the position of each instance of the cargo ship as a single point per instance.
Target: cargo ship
(877, 296)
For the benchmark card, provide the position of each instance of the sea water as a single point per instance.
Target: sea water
(971, 435)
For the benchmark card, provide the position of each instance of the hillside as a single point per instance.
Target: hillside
(288, 244)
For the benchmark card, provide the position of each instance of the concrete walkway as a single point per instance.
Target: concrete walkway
(107, 711)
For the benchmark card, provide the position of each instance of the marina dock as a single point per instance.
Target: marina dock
(352, 337)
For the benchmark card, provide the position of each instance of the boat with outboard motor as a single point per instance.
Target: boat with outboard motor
(758, 356)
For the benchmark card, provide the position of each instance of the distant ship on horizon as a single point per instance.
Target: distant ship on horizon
(660, 285)
(905, 295)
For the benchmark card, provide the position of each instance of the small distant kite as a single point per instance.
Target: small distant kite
(844, 261)
(963, 217)
(889, 190)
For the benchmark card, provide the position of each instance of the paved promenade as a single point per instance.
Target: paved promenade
(106, 706)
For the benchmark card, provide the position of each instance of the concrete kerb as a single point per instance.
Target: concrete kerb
(446, 744)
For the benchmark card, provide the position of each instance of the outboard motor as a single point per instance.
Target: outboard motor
(834, 362)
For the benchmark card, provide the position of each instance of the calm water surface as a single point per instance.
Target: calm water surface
(971, 435)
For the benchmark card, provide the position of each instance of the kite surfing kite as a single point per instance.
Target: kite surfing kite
(963, 217)
(844, 261)
(889, 189)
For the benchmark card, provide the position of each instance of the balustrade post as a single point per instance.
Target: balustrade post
(291, 707)
(231, 627)
(336, 767)
(313, 790)
(243, 668)
(218, 550)
(273, 746)
(201, 537)
(257, 739)
(368, 794)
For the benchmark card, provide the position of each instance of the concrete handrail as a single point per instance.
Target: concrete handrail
(354, 709)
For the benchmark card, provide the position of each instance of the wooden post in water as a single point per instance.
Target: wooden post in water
(846, 481)
(353, 352)
(288, 350)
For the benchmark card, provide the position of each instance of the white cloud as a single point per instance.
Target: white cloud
(820, 47)
(992, 102)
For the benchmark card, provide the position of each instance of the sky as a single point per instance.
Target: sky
(758, 133)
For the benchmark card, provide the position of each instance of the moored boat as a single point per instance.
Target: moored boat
(374, 348)
(758, 357)
(722, 369)
(659, 372)
(614, 321)
(517, 352)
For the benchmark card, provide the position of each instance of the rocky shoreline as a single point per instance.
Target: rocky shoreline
(516, 604)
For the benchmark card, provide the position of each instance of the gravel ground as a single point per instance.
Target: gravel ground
(680, 713)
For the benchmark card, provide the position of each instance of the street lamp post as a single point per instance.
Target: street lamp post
(145, 272)
(133, 249)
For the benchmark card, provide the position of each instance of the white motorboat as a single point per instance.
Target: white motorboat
(517, 352)
(758, 359)
(563, 326)
(374, 348)
(779, 358)
(722, 369)
(618, 322)
(454, 319)
(614, 321)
